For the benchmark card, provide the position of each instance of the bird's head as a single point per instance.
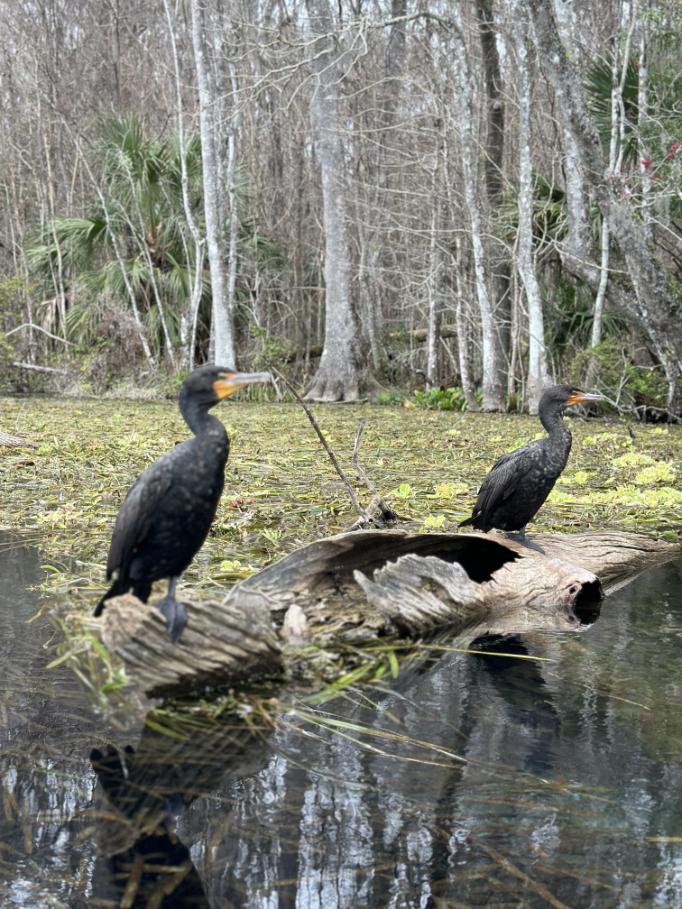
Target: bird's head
(210, 384)
(558, 397)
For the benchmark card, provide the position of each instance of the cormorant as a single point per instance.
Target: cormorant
(168, 510)
(518, 484)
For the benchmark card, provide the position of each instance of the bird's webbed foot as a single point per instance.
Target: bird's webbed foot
(175, 614)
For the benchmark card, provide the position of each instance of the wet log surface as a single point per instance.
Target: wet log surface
(221, 645)
(356, 586)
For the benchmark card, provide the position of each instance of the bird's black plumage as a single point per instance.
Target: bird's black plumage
(518, 484)
(168, 510)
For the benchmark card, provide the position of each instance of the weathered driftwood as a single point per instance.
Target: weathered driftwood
(354, 586)
(222, 644)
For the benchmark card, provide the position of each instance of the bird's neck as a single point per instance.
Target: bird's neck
(201, 422)
(556, 428)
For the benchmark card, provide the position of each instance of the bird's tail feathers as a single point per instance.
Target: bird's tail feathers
(113, 591)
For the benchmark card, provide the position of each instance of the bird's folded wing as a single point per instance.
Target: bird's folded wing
(136, 514)
(504, 478)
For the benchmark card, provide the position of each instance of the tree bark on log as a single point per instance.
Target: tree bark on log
(224, 645)
(352, 587)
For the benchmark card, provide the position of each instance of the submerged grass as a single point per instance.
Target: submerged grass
(281, 491)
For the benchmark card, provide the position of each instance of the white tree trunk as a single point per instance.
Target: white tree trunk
(231, 179)
(642, 117)
(576, 251)
(223, 317)
(616, 152)
(188, 321)
(434, 280)
(537, 353)
(462, 339)
(338, 374)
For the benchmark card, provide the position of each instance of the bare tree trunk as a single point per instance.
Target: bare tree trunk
(188, 322)
(495, 115)
(642, 118)
(338, 373)
(223, 317)
(651, 306)
(616, 151)
(462, 340)
(433, 283)
(576, 252)
(537, 354)
(434, 278)
(231, 181)
(492, 386)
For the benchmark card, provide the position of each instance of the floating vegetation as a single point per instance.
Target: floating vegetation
(281, 490)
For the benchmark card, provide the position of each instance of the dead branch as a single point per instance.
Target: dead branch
(365, 518)
(33, 368)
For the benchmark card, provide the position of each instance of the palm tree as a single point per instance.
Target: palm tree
(134, 249)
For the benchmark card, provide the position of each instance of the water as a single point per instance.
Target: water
(470, 781)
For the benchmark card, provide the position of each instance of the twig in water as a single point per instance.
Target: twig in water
(520, 875)
(387, 514)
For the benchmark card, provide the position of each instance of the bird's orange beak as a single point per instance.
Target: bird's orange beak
(230, 382)
(581, 396)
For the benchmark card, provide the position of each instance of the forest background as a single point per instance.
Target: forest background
(468, 198)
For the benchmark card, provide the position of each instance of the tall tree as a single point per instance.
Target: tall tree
(337, 377)
(493, 125)
(216, 238)
(537, 355)
(654, 304)
(493, 398)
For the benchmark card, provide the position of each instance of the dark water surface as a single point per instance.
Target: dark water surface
(470, 781)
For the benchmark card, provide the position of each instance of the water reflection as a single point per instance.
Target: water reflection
(547, 773)
(478, 781)
(142, 791)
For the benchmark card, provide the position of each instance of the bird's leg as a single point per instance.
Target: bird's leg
(519, 535)
(174, 612)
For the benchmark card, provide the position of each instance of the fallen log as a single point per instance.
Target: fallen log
(223, 644)
(352, 587)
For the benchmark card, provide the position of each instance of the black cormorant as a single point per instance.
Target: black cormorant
(518, 484)
(169, 509)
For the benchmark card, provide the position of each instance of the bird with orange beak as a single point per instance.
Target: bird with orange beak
(519, 483)
(169, 509)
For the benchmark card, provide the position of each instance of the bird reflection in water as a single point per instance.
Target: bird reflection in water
(157, 869)
(142, 792)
